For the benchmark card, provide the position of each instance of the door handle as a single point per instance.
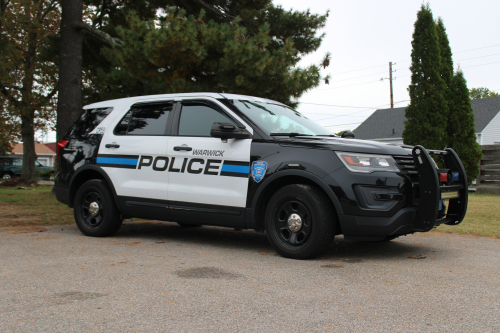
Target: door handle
(179, 148)
(112, 145)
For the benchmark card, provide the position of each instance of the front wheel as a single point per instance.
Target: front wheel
(300, 221)
(95, 211)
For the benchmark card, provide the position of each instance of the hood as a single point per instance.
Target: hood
(341, 144)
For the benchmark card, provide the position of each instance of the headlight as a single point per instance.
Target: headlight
(367, 163)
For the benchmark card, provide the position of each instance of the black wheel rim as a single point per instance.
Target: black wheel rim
(281, 226)
(91, 220)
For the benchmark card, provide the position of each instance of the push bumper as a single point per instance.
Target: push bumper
(426, 210)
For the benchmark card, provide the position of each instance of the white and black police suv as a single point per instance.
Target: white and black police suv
(249, 163)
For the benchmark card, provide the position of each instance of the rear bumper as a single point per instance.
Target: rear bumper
(62, 195)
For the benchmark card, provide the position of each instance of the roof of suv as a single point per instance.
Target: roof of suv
(170, 96)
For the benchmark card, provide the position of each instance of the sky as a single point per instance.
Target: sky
(363, 36)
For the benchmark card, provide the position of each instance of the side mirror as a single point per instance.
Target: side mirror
(348, 135)
(229, 131)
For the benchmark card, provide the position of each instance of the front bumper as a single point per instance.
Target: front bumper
(422, 210)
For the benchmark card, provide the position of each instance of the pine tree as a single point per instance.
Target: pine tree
(426, 114)
(461, 129)
(446, 56)
(249, 47)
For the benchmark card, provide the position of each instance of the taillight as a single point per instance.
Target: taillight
(61, 144)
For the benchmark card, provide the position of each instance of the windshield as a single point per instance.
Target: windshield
(278, 118)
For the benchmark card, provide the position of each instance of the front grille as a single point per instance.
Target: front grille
(407, 166)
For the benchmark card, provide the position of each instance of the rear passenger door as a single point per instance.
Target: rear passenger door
(206, 171)
(134, 153)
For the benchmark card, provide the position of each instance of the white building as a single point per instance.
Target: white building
(388, 124)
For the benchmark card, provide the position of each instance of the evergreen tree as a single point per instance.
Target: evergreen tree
(213, 45)
(482, 92)
(427, 112)
(461, 129)
(446, 56)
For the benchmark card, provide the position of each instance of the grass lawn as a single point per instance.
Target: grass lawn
(38, 206)
(482, 218)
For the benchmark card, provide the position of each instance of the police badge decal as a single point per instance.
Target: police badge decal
(258, 170)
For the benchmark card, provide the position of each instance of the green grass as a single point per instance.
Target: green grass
(33, 206)
(37, 206)
(482, 218)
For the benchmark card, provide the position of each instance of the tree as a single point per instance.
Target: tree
(28, 78)
(180, 53)
(461, 130)
(69, 103)
(428, 109)
(476, 93)
(110, 70)
(446, 70)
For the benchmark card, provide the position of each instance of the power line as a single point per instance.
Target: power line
(356, 84)
(342, 115)
(498, 62)
(357, 77)
(341, 106)
(344, 124)
(480, 57)
(361, 69)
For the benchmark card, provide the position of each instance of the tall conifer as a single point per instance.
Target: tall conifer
(461, 129)
(426, 114)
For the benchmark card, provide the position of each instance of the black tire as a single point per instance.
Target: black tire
(317, 226)
(188, 225)
(107, 220)
(7, 176)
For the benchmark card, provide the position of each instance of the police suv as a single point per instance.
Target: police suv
(249, 163)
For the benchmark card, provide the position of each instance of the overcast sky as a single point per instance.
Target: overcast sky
(364, 35)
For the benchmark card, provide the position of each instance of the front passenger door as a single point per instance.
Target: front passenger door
(205, 170)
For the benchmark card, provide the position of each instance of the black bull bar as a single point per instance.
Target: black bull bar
(430, 191)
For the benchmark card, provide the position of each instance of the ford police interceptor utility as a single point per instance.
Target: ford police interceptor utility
(247, 162)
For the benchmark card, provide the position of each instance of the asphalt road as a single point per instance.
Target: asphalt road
(159, 277)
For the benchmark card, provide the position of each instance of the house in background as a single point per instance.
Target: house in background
(45, 152)
(387, 125)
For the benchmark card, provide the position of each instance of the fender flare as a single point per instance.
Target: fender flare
(98, 170)
(315, 179)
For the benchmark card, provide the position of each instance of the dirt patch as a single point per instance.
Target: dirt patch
(332, 266)
(128, 244)
(351, 260)
(206, 273)
(24, 229)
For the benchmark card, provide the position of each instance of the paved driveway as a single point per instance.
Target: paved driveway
(159, 277)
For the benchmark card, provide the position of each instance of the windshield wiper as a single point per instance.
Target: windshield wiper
(290, 134)
(331, 135)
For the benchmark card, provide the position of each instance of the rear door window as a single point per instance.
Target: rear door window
(88, 121)
(145, 120)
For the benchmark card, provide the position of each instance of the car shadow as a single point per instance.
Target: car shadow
(346, 251)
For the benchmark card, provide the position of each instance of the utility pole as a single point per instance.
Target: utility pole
(390, 82)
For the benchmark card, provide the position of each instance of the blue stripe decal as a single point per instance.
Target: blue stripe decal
(235, 168)
(112, 160)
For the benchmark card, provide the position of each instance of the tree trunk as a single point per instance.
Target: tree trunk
(29, 154)
(69, 104)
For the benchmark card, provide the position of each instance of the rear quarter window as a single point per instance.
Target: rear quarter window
(88, 121)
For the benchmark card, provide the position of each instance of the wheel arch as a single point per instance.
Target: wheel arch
(86, 173)
(283, 178)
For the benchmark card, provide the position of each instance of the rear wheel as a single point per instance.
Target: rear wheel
(300, 221)
(95, 211)
(7, 176)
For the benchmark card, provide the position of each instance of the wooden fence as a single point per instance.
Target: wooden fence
(490, 166)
